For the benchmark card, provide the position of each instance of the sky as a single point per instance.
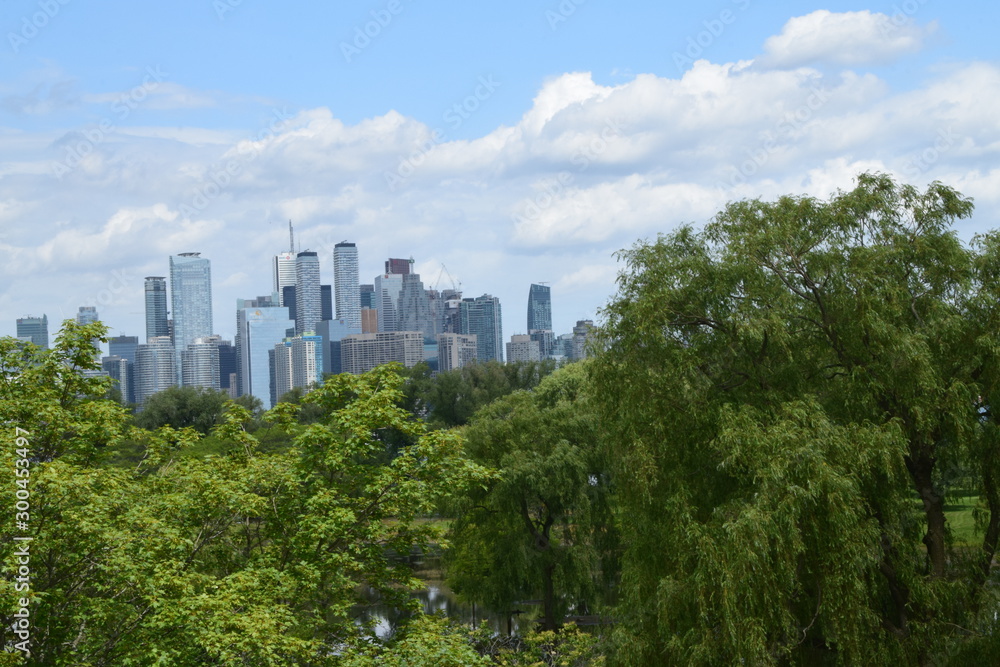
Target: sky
(497, 144)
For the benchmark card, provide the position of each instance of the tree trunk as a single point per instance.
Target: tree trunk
(921, 468)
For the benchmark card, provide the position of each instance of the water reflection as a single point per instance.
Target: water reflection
(437, 597)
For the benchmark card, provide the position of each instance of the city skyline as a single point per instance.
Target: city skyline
(514, 144)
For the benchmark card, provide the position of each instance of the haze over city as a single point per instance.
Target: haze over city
(512, 143)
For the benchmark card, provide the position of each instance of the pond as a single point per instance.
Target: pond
(437, 597)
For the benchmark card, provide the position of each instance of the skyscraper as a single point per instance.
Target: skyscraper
(35, 329)
(120, 364)
(325, 302)
(399, 267)
(455, 350)
(414, 312)
(284, 272)
(522, 348)
(155, 368)
(388, 287)
(121, 372)
(308, 307)
(346, 285)
(367, 292)
(258, 331)
(360, 353)
(156, 307)
(191, 301)
(200, 363)
(123, 346)
(482, 316)
(88, 315)
(539, 308)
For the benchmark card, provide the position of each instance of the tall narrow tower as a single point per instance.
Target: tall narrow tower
(347, 284)
(156, 307)
(539, 308)
(308, 306)
(191, 301)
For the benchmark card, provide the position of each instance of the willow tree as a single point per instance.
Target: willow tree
(787, 393)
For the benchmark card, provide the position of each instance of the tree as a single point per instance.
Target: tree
(198, 407)
(451, 398)
(541, 528)
(248, 558)
(784, 392)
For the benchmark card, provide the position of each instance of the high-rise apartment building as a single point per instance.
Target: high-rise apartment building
(455, 351)
(190, 300)
(200, 363)
(155, 368)
(347, 290)
(156, 307)
(35, 329)
(482, 316)
(308, 306)
(539, 308)
(360, 353)
(522, 348)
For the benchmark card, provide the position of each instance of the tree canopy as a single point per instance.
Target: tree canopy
(542, 528)
(786, 394)
(247, 558)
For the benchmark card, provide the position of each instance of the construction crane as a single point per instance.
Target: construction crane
(455, 285)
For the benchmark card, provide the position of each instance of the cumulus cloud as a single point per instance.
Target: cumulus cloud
(587, 170)
(844, 38)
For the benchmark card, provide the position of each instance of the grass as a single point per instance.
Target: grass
(958, 513)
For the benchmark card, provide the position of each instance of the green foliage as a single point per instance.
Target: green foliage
(180, 407)
(429, 641)
(451, 398)
(777, 389)
(246, 558)
(541, 528)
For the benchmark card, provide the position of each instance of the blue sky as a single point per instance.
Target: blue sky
(512, 142)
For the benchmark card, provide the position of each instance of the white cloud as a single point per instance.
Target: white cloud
(845, 38)
(603, 165)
